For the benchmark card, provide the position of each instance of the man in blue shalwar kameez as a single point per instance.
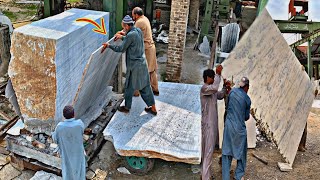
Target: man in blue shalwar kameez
(137, 75)
(69, 137)
(235, 133)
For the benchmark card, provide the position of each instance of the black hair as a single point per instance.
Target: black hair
(68, 112)
(208, 73)
(138, 11)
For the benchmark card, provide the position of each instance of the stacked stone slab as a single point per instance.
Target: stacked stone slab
(48, 62)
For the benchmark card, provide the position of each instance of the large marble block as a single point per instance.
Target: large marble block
(173, 135)
(280, 90)
(48, 62)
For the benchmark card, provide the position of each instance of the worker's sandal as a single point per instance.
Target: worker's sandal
(149, 110)
(123, 109)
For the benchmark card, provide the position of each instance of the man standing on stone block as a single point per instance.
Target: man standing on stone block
(69, 137)
(137, 75)
(143, 23)
(209, 118)
(234, 143)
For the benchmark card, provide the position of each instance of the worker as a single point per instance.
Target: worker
(143, 23)
(137, 76)
(302, 144)
(69, 137)
(209, 117)
(234, 143)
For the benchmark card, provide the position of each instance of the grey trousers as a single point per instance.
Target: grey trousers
(240, 169)
(146, 94)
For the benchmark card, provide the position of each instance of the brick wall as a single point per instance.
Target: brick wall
(177, 37)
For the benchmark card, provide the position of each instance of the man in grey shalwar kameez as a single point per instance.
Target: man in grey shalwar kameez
(209, 121)
(235, 133)
(137, 75)
(69, 137)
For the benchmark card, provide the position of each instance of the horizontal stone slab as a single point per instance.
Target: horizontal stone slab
(173, 135)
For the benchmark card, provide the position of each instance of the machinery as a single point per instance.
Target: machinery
(298, 15)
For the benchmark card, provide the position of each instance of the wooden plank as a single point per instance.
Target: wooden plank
(5, 116)
(173, 135)
(280, 90)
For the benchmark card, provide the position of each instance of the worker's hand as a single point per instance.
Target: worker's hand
(219, 69)
(105, 46)
(227, 85)
(121, 32)
(117, 36)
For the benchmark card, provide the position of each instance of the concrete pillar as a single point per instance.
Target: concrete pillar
(177, 38)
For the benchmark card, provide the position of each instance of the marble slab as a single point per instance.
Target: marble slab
(48, 61)
(280, 90)
(173, 135)
(93, 92)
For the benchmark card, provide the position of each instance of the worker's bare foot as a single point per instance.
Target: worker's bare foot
(301, 149)
(151, 110)
(123, 109)
(156, 93)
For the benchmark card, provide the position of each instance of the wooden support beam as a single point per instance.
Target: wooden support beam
(4, 115)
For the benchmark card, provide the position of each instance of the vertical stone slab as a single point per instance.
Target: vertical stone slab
(177, 38)
(48, 60)
(280, 90)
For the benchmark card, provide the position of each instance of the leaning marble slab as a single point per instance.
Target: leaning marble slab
(93, 92)
(173, 135)
(48, 60)
(280, 90)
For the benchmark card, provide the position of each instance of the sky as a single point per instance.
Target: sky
(278, 9)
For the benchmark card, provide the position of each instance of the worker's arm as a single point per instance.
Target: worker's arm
(221, 94)
(212, 88)
(126, 41)
(248, 110)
